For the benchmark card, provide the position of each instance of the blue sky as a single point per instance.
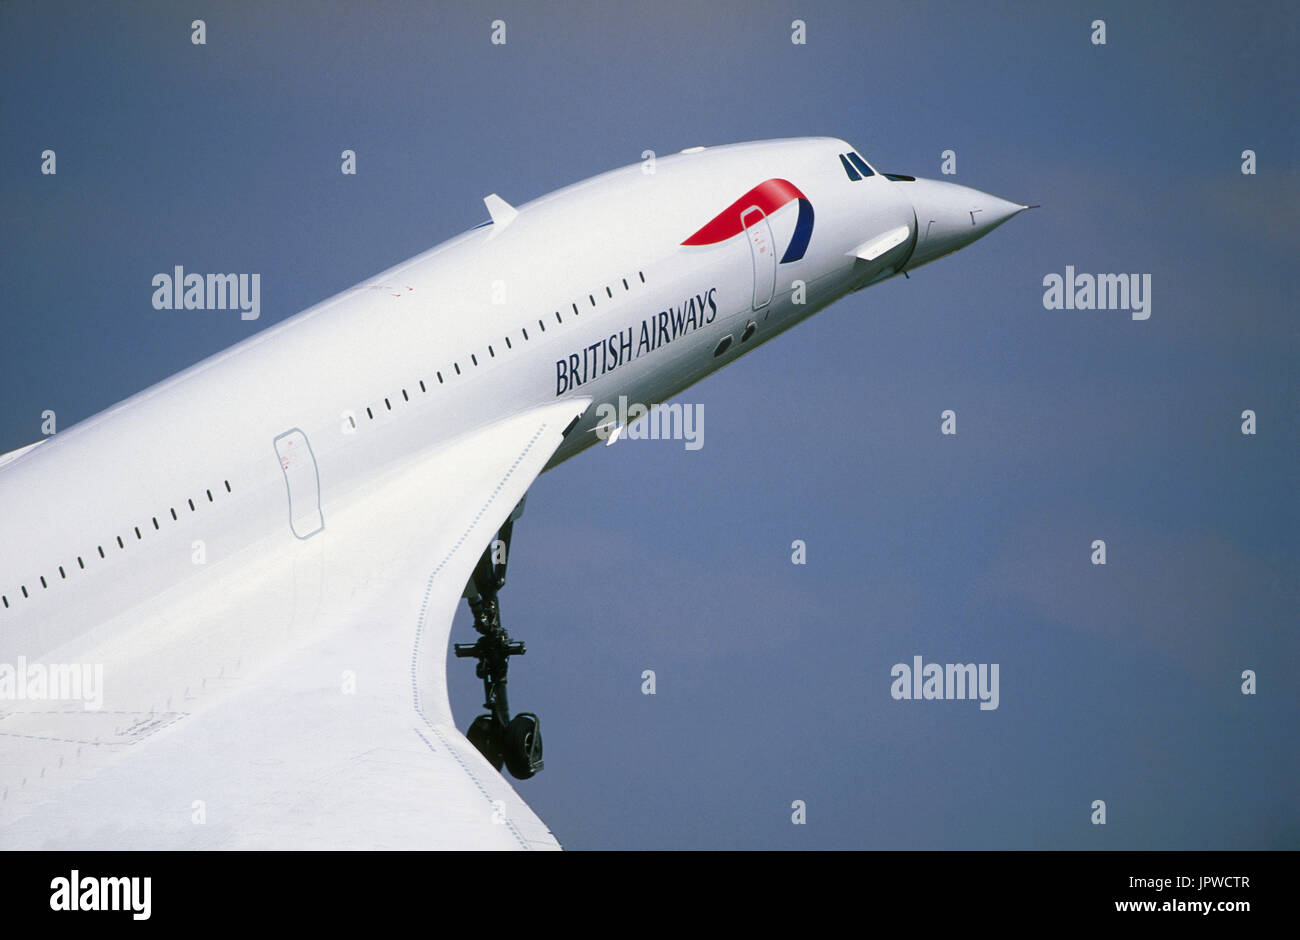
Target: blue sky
(1119, 683)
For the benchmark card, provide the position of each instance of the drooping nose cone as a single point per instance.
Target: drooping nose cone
(949, 217)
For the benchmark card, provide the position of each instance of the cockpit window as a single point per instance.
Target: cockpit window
(848, 168)
(861, 165)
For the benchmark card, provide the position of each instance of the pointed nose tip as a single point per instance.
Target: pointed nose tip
(998, 210)
(949, 217)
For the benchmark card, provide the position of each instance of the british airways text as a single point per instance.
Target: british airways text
(608, 354)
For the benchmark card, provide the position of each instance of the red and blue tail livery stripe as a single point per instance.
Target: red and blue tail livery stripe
(769, 196)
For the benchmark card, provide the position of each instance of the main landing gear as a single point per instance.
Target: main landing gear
(516, 742)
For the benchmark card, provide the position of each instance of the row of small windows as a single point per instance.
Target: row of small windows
(121, 544)
(855, 166)
(523, 332)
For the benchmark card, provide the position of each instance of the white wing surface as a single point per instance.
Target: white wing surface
(298, 698)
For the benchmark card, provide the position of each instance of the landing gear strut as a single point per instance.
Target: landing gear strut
(515, 742)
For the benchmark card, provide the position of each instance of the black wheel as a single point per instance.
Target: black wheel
(482, 734)
(523, 746)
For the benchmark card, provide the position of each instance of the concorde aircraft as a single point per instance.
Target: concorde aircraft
(226, 602)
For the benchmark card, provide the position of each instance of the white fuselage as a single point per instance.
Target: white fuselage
(588, 291)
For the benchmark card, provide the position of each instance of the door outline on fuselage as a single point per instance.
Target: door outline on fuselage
(301, 475)
(762, 250)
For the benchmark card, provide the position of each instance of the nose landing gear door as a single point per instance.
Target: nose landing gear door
(763, 251)
(302, 482)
